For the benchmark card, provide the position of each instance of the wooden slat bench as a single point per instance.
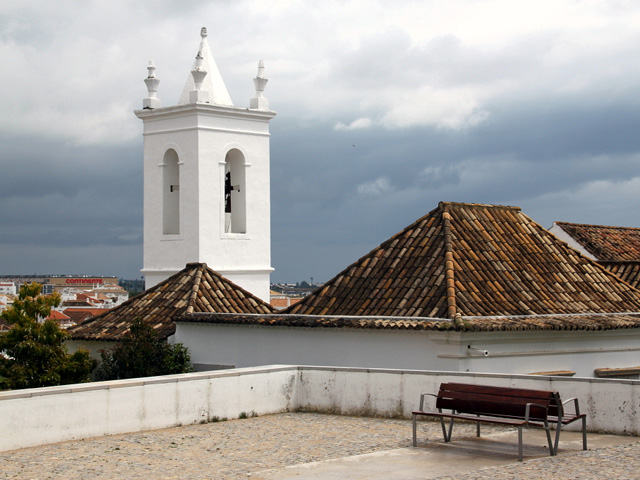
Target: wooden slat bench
(516, 407)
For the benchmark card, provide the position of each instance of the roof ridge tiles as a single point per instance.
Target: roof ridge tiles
(481, 206)
(449, 263)
(195, 287)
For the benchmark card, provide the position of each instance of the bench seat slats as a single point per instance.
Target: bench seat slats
(498, 409)
(497, 398)
(491, 390)
(494, 402)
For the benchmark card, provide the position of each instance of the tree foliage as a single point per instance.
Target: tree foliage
(32, 352)
(142, 354)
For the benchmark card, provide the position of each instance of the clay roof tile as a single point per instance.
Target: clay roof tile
(195, 289)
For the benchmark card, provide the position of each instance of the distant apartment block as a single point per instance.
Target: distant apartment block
(51, 283)
(7, 288)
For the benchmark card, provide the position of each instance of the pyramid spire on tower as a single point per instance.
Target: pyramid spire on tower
(212, 83)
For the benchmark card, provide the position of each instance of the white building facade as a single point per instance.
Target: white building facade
(7, 288)
(587, 353)
(206, 180)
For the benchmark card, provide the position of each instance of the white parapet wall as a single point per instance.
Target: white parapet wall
(611, 405)
(53, 414)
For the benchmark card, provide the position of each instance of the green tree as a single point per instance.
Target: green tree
(142, 354)
(32, 351)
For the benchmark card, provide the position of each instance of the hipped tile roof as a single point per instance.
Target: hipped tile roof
(607, 244)
(472, 260)
(196, 288)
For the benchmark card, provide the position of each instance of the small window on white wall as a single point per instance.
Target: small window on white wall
(235, 207)
(170, 194)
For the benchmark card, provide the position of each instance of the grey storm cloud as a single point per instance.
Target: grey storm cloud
(383, 111)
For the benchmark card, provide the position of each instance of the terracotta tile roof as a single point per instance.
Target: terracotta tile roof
(76, 303)
(56, 315)
(627, 271)
(472, 260)
(469, 324)
(79, 315)
(607, 244)
(196, 288)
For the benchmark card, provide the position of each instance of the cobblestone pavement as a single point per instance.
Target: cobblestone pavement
(233, 449)
(621, 462)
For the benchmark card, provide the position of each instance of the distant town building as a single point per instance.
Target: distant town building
(280, 301)
(5, 301)
(107, 296)
(79, 315)
(61, 319)
(57, 283)
(82, 297)
(7, 288)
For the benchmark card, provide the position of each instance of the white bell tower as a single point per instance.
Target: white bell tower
(206, 179)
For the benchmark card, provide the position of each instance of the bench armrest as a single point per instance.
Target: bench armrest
(576, 406)
(422, 399)
(528, 408)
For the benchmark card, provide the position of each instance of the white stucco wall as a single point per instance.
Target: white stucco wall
(517, 352)
(53, 414)
(525, 352)
(249, 346)
(94, 347)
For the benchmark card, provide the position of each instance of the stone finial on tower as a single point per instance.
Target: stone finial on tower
(260, 82)
(197, 95)
(152, 101)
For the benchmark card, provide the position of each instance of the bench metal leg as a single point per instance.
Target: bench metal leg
(584, 435)
(415, 441)
(520, 443)
(552, 449)
(558, 428)
(445, 434)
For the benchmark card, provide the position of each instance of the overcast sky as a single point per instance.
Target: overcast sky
(383, 111)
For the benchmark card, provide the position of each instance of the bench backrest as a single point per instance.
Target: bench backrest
(497, 401)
